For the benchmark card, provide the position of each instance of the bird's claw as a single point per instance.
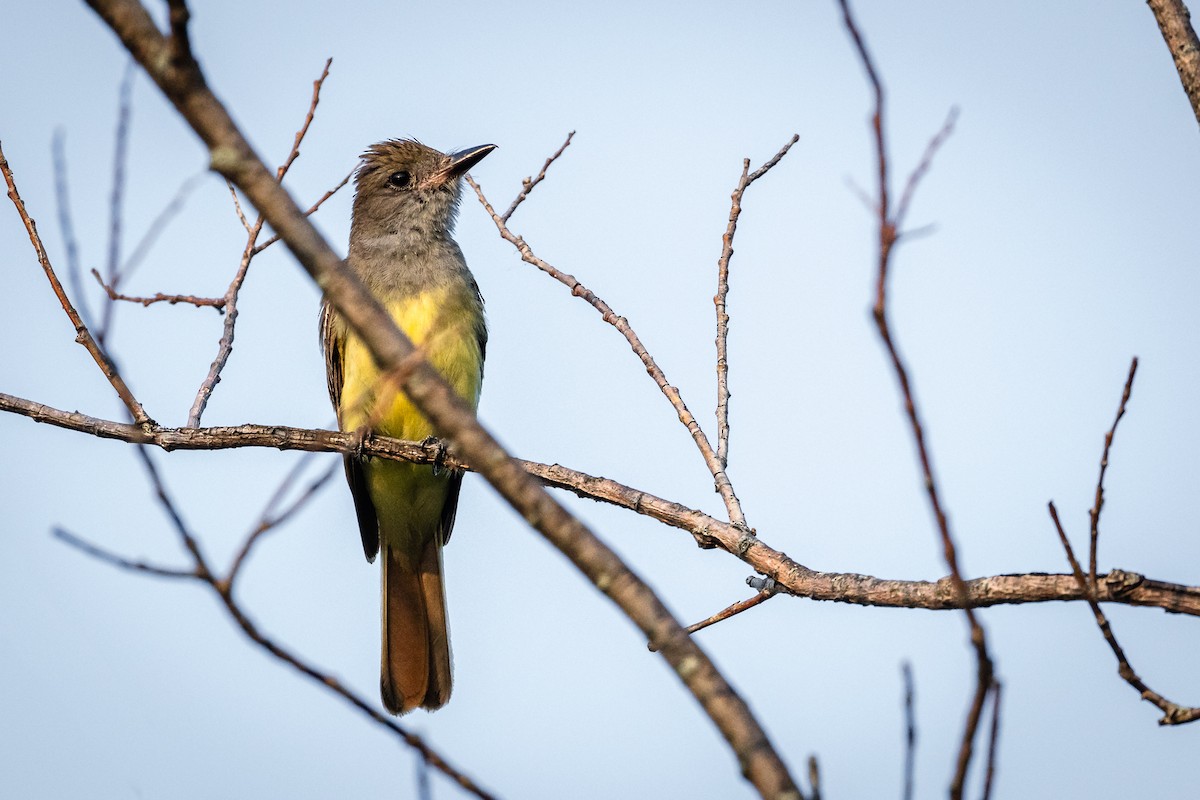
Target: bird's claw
(439, 455)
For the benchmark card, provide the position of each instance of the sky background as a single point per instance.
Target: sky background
(1064, 210)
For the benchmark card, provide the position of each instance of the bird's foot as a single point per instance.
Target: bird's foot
(439, 454)
(361, 437)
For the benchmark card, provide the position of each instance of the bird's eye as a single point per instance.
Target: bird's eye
(400, 179)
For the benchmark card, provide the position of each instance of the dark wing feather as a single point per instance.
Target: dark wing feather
(450, 509)
(368, 524)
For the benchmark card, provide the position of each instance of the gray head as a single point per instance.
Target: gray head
(404, 187)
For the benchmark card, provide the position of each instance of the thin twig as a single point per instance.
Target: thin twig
(989, 775)
(910, 730)
(172, 299)
(888, 235)
(269, 520)
(528, 184)
(186, 537)
(237, 205)
(67, 225)
(721, 481)
(116, 198)
(121, 562)
(1173, 714)
(294, 153)
(735, 211)
(922, 168)
(1094, 514)
(82, 334)
(160, 223)
(725, 613)
(258, 248)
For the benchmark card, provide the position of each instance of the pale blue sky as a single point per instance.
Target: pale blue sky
(1065, 208)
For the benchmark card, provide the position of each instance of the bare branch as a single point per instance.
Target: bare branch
(311, 210)
(173, 299)
(160, 223)
(735, 211)
(1094, 514)
(723, 486)
(1118, 586)
(1173, 714)
(300, 134)
(67, 225)
(120, 157)
(888, 235)
(731, 611)
(993, 739)
(269, 520)
(230, 299)
(82, 335)
(112, 559)
(914, 179)
(1176, 25)
(528, 184)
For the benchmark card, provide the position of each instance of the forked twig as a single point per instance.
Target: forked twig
(1173, 713)
(735, 211)
(721, 481)
(223, 588)
(171, 299)
(230, 298)
(528, 184)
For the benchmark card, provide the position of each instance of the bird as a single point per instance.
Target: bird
(401, 246)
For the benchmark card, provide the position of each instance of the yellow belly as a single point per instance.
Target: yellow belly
(409, 498)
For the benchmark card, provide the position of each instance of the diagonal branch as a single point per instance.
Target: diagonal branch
(1094, 514)
(1173, 714)
(1175, 23)
(82, 334)
(528, 184)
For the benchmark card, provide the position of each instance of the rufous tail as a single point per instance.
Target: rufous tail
(416, 637)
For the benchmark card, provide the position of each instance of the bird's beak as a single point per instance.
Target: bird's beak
(463, 160)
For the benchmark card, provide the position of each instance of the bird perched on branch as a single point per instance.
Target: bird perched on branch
(406, 198)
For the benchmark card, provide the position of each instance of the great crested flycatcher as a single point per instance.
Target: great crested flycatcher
(406, 198)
